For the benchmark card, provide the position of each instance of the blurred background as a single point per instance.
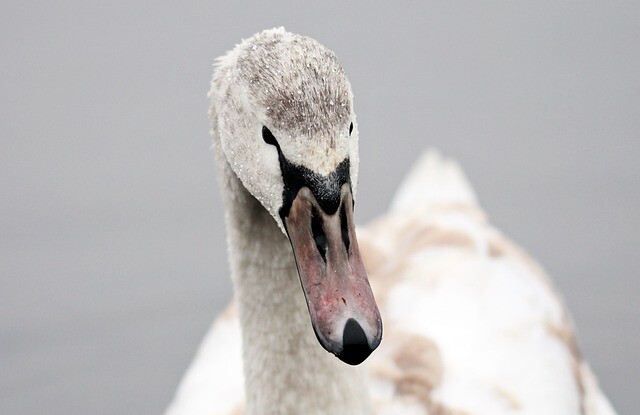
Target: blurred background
(112, 241)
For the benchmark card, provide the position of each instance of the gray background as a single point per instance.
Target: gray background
(112, 245)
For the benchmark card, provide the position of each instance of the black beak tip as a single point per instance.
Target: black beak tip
(355, 347)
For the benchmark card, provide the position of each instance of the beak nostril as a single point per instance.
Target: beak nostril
(344, 226)
(318, 234)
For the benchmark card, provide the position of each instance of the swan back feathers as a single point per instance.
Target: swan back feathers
(434, 181)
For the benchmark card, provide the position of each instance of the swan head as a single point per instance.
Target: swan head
(282, 110)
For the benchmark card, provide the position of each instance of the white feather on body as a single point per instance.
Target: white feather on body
(472, 324)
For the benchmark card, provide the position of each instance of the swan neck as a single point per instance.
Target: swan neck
(286, 370)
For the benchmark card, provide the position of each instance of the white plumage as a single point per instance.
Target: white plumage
(472, 324)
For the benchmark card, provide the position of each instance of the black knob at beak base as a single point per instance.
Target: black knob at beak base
(355, 347)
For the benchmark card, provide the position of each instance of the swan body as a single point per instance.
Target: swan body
(472, 324)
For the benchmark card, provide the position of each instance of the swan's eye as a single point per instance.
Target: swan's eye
(350, 128)
(268, 137)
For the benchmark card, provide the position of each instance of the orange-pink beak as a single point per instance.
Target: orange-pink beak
(343, 312)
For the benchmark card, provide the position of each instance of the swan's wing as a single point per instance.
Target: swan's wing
(472, 324)
(214, 383)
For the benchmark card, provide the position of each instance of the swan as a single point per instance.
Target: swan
(472, 324)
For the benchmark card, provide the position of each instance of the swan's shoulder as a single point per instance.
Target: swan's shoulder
(214, 382)
(472, 323)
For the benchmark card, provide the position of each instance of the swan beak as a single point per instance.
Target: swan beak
(343, 312)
